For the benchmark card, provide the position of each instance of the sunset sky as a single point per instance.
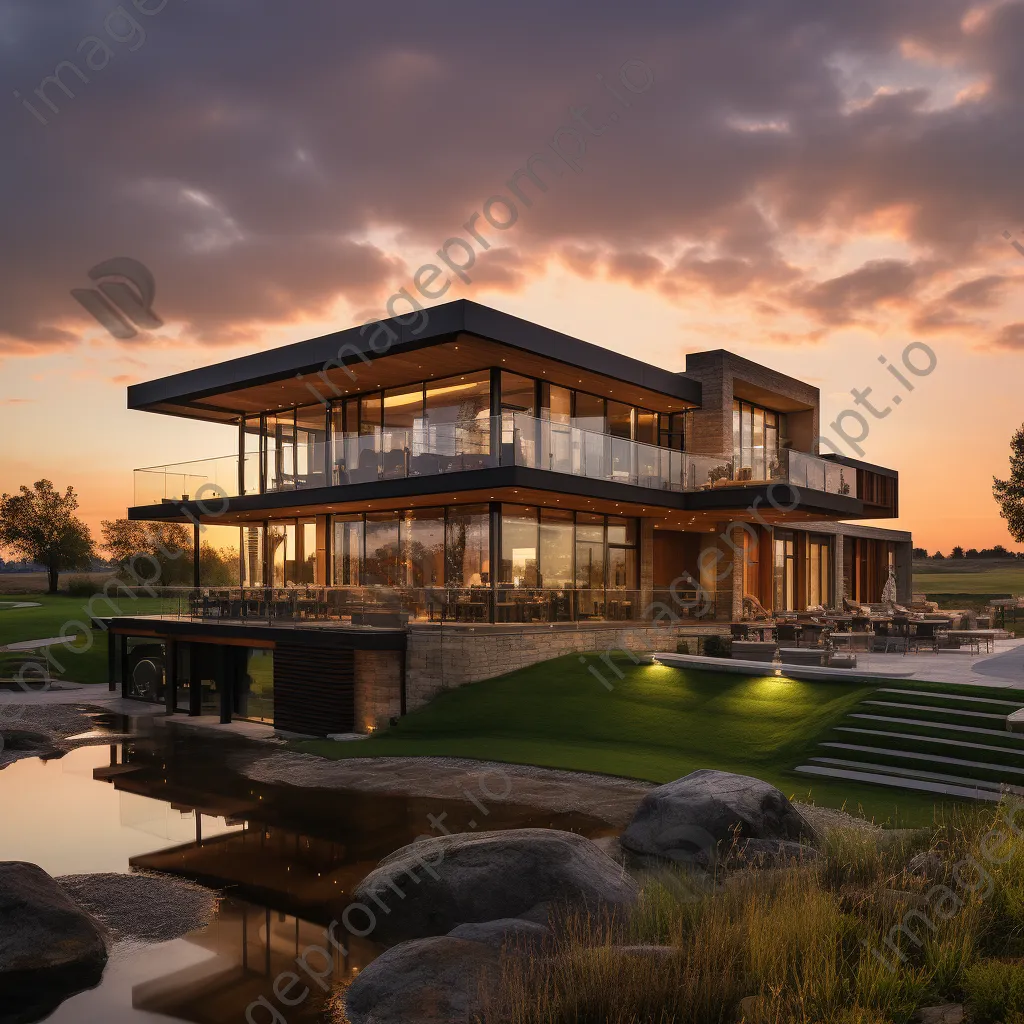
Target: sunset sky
(811, 185)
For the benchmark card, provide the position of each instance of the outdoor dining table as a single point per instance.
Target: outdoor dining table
(976, 637)
(847, 640)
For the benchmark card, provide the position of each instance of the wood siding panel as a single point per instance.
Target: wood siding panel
(314, 689)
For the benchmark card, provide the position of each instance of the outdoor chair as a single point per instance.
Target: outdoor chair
(753, 650)
(923, 641)
(888, 643)
(788, 633)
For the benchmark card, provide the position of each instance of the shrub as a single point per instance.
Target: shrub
(717, 647)
(82, 586)
(995, 991)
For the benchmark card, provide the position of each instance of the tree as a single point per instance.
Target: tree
(957, 552)
(920, 553)
(40, 524)
(153, 553)
(1009, 493)
(973, 553)
(938, 556)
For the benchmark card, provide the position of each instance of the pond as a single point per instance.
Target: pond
(285, 860)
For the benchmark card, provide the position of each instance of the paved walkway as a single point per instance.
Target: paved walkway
(1003, 668)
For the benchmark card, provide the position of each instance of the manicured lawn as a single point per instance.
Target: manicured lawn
(657, 724)
(969, 576)
(88, 665)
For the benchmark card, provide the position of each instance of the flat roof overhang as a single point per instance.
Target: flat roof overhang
(375, 638)
(464, 337)
(516, 484)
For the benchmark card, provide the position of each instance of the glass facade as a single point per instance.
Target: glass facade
(819, 571)
(411, 430)
(757, 434)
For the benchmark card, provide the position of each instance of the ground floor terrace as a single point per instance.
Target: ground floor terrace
(523, 561)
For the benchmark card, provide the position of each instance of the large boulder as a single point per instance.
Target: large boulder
(694, 819)
(437, 980)
(436, 884)
(49, 947)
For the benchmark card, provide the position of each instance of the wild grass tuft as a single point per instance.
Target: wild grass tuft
(876, 927)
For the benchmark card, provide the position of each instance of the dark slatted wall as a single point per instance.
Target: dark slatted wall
(314, 689)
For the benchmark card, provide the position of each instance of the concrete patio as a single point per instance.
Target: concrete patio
(1004, 667)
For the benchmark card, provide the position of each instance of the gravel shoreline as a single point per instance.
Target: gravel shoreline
(54, 724)
(142, 906)
(604, 796)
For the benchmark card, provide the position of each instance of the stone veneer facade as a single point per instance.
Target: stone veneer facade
(442, 659)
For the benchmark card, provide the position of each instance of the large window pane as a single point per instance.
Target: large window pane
(251, 541)
(519, 544)
(347, 551)
(468, 546)
(518, 394)
(458, 413)
(383, 563)
(252, 464)
(556, 403)
(370, 414)
(305, 552)
(254, 698)
(589, 551)
(620, 420)
(556, 548)
(310, 445)
(278, 551)
(757, 445)
(646, 427)
(403, 407)
(423, 547)
(589, 412)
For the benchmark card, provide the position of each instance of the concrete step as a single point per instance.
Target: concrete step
(952, 697)
(941, 740)
(926, 758)
(895, 782)
(935, 710)
(976, 730)
(888, 769)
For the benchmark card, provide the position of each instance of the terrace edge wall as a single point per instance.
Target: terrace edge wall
(440, 659)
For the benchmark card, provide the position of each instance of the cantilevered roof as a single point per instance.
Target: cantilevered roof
(459, 337)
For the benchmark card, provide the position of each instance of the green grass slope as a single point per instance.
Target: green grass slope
(657, 724)
(84, 662)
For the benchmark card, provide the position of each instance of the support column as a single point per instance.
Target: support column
(646, 563)
(837, 571)
(736, 552)
(195, 555)
(171, 676)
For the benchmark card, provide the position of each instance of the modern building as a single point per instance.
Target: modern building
(418, 505)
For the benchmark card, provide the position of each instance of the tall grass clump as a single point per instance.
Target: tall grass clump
(875, 927)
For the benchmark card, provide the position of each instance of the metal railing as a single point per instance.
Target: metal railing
(512, 439)
(396, 607)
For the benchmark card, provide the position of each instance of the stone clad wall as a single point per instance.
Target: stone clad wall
(439, 659)
(378, 688)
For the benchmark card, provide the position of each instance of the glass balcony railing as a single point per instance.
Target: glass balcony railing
(512, 439)
(396, 607)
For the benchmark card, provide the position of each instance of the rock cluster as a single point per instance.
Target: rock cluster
(49, 947)
(456, 904)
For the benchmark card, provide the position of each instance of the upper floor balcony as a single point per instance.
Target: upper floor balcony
(511, 439)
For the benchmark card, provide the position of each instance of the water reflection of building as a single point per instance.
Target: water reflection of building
(249, 947)
(287, 870)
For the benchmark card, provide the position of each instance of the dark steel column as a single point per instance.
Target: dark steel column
(195, 555)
